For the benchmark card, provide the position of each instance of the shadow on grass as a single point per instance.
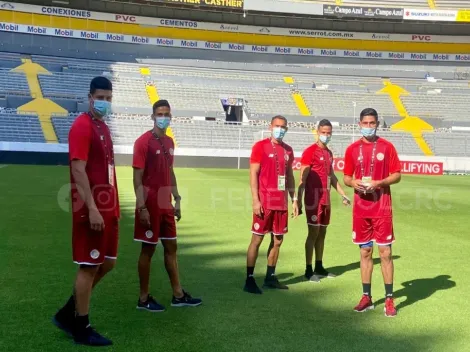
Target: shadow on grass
(337, 270)
(421, 289)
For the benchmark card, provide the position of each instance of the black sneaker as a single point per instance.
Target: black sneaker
(185, 301)
(315, 278)
(251, 286)
(323, 273)
(90, 337)
(308, 274)
(64, 322)
(273, 282)
(150, 305)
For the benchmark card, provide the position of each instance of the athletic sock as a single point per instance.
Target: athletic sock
(250, 271)
(270, 272)
(366, 289)
(309, 268)
(69, 307)
(388, 290)
(319, 265)
(82, 322)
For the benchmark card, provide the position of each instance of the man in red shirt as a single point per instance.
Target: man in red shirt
(317, 175)
(95, 211)
(271, 179)
(154, 185)
(371, 166)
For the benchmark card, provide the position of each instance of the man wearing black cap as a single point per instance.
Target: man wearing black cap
(154, 185)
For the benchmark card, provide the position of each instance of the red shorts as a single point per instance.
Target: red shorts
(92, 247)
(273, 221)
(379, 230)
(162, 226)
(318, 216)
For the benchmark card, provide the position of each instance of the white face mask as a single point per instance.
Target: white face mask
(324, 139)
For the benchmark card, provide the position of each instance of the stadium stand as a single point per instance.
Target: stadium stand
(12, 83)
(452, 4)
(16, 127)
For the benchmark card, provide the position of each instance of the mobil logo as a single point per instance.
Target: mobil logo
(418, 56)
(396, 55)
(168, 42)
(304, 51)
(140, 40)
(328, 53)
(462, 57)
(63, 32)
(282, 50)
(115, 37)
(37, 30)
(374, 54)
(89, 35)
(189, 43)
(441, 57)
(237, 47)
(210, 45)
(9, 27)
(421, 38)
(350, 53)
(259, 49)
(125, 18)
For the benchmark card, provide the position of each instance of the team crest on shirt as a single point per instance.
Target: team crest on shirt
(171, 151)
(256, 226)
(354, 235)
(149, 234)
(94, 254)
(380, 156)
(314, 218)
(158, 151)
(271, 156)
(286, 157)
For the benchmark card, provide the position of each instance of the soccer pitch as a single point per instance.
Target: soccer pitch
(431, 272)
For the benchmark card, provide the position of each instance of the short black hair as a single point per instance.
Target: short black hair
(161, 102)
(369, 112)
(324, 122)
(100, 82)
(279, 117)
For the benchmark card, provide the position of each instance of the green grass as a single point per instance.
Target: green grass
(431, 226)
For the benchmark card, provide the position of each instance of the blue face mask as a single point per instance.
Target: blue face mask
(367, 131)
(102, 107)
(162, 122)
(325, 139)
(279, 133)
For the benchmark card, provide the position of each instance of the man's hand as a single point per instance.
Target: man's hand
(346, 200)
(373, 185)
(258, 208)
(295, 209)
(358, 186)
(178, 210)
(96, 220)
(144, 217)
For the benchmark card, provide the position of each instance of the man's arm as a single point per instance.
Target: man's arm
(291, 183)
(304, 171)
(337, 186)
(254, 185)
(390, 180)
(139, 188)
(174, 186)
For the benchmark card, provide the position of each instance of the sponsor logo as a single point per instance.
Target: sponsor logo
(441, 57)
(149, 234)
(63, 32)
(381, 36)
(303, 51)
(282, 50)
(9, 27)
(265, 30)
(178, 23)
(328, 52)
(227, 27)
(374, 54)
(237, 47)
(140, 40)
(350, 53)
(59, 11)
(115, 37)
(189, 43)
(380, 156)
(418, 56)
(168, 42)
(89, 35)
(396, 56)
(37, 30)
(125, 18)
(259, 49)
(7, 6)
(421, 38)
(430, 15)
(210, 45)
(462, 58)
(94, 254)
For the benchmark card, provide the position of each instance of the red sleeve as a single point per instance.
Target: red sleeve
(307, 156)
(349, 162)
(79, 140)
(140, 153)
(256, 154)
(395, 165)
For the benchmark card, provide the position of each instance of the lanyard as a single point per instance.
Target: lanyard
(104, 139)
(277, 159)
(361, 160)
(165, 152)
